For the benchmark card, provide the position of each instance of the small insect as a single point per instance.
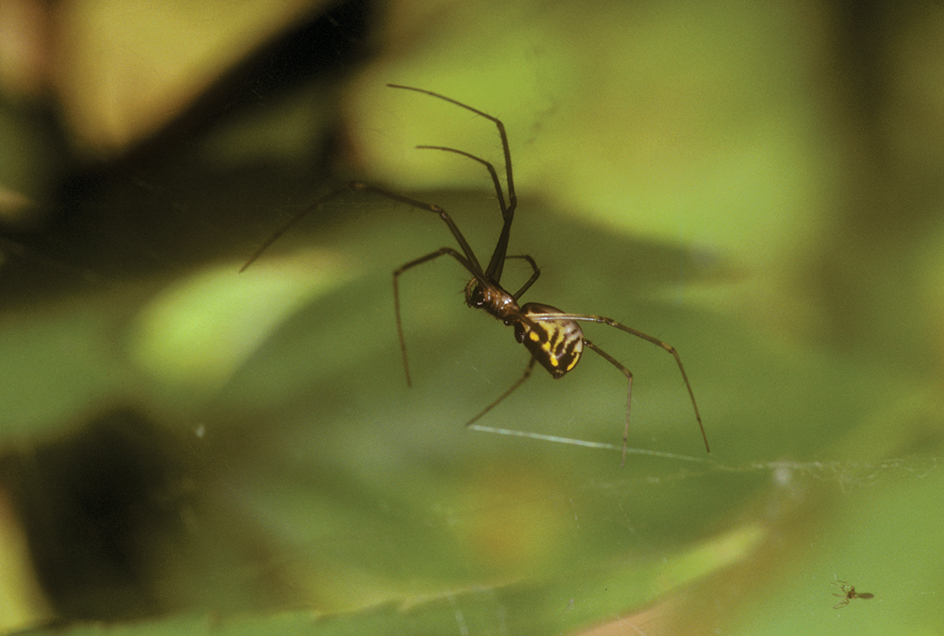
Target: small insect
(849, 593)
(552, 336)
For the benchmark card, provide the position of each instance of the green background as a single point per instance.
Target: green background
(190, 449)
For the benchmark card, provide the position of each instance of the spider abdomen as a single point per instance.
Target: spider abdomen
(556, 344)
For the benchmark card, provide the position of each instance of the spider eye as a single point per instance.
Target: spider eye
(474, 294)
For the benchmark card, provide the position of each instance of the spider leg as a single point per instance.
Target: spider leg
(429, 207)
(629, 389)
(497, 261)
(396, 292)
(518, 383)
(357, 186)
(467, 259)
(285, 228)
(638, 334)
(512, 199)
(488, 166)
(534, 275)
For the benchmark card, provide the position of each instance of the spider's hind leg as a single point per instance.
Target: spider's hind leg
(512, 389)
(629, 388)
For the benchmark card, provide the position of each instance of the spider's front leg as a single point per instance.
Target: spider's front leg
(396, 293)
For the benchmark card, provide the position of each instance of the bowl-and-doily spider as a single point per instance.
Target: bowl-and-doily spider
(553, 337)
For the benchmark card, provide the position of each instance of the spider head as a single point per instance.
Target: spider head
(491, 298)
(475, 294)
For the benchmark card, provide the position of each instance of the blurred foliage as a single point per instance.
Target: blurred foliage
(187, 449)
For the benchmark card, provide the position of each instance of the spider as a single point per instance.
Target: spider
(849, 593)
(552, 336)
